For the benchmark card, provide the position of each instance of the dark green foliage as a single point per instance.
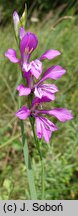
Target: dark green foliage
(7, 7)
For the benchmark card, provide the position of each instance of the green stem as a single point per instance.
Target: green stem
(41, 159)
(42, 169)
(28, 164)
(42, 180)
(27, 158)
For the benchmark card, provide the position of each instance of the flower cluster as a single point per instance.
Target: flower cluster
(39, 92)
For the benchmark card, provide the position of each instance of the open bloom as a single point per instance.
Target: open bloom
(48, 90)
(44, 90)
(44, 127)
(28, 43)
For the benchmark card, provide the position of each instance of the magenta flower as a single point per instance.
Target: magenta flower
(48, 90)
(44, 127)
(44, 90)
(28, 43)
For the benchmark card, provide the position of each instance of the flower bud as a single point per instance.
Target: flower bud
(24, 17)
(16, 21)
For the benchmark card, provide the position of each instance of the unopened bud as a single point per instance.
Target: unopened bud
(16, 21)
(23, 19)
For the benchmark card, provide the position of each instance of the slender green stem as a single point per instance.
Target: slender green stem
(42, 169)
(28, 164)
(41, 158)
(42, 180)
(27, 159)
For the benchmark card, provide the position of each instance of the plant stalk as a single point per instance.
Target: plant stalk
(27, 160)
(41, 159)
(28, 165)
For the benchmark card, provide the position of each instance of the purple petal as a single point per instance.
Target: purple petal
(23, 90)
(22, 32)
(47, 90)
(16, 16)
(11, 55)
(39, 93)
(49, 124)
(38, 128)
(61, 114)
(28, 77)
(36, 68)
(23, 113)
(37, 100)
(28, 43)
(26, 67)
(54, 72)
(50, 54)
(46, 133)
(16, 20)
(41, 130)
(52, 87)
(44, 128)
